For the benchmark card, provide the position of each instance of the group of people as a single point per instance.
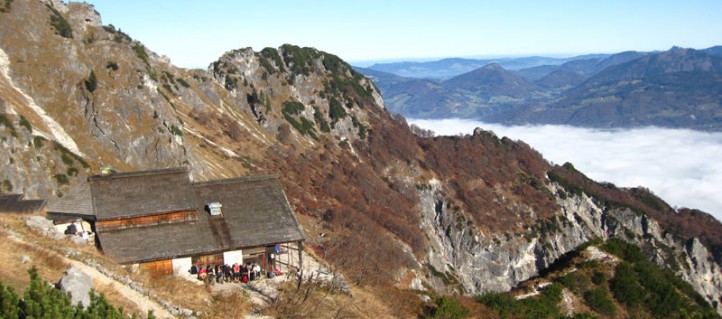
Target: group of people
(227, 273)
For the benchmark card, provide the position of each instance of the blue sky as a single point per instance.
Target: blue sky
(196, 33)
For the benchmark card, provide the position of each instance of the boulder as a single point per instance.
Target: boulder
(43, 226)
(77, 284)
(339, 282)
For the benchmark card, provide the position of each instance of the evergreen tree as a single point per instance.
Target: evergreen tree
(43, 301)
(9, 301)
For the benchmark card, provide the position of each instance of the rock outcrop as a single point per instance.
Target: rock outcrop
(498, 263)
(78, 285)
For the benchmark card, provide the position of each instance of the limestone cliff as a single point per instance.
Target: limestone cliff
(500, 262)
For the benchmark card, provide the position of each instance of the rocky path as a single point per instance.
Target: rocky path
(143, 303)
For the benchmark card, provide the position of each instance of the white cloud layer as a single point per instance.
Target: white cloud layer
(683, 167)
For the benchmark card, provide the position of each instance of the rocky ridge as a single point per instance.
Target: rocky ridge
(499, 263)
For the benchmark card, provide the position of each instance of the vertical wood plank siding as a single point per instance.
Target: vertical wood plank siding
(158, 267)
(146, 220)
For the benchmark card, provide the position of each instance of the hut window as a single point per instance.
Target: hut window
(215, 209)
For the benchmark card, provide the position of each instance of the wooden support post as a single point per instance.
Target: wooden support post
(300, 256)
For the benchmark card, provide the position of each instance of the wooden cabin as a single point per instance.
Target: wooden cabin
(166, 223)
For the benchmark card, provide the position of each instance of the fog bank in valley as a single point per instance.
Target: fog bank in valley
(683, 167)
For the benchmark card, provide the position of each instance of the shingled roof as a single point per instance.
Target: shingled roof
(8, 200)
(125, 195)
(256, 213)
(78, 203)
(14, 203)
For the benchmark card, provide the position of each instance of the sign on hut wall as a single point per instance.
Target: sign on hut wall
(233, 256)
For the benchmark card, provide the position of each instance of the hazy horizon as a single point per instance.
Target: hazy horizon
(367, 63)
(679, 165)
(194, 34)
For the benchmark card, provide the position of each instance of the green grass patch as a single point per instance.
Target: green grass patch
(68, 156)
(292, 108)
(61, 179)
(62, 27)
(25, 123)
(297, 58)
(112, 65)
(92, 82)
(336, 111)
(176, 130)
(543, 306)
(6, 6)
(140, 52)
(38, 142)
(320, 120)
(183, 83)
(5, 121)
(448, 308)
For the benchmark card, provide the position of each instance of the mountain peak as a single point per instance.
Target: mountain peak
(493, 66)
(492, 80)
(677, 48)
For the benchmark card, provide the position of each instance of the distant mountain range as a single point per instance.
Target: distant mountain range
(675, 88)
(447, 68)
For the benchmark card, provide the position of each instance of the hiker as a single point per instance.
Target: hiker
(236, 272)
(219, 273)
(257, 271)
(245, 275)
(228, 272)
(209, 274)
(251, 273)
(202, 273)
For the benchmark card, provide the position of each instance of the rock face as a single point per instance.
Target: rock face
(78, 285)
(498, 263)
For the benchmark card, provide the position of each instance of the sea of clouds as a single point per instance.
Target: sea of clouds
(683, 167)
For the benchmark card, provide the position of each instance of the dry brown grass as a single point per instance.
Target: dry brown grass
(178, 291)
(117, 299)
(229, 305)
(199, 298)
(387, 302)
(49, 264)
(310, 300)
(313, 300)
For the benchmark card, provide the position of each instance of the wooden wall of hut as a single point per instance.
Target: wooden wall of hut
(146, 220)
(158, 267)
